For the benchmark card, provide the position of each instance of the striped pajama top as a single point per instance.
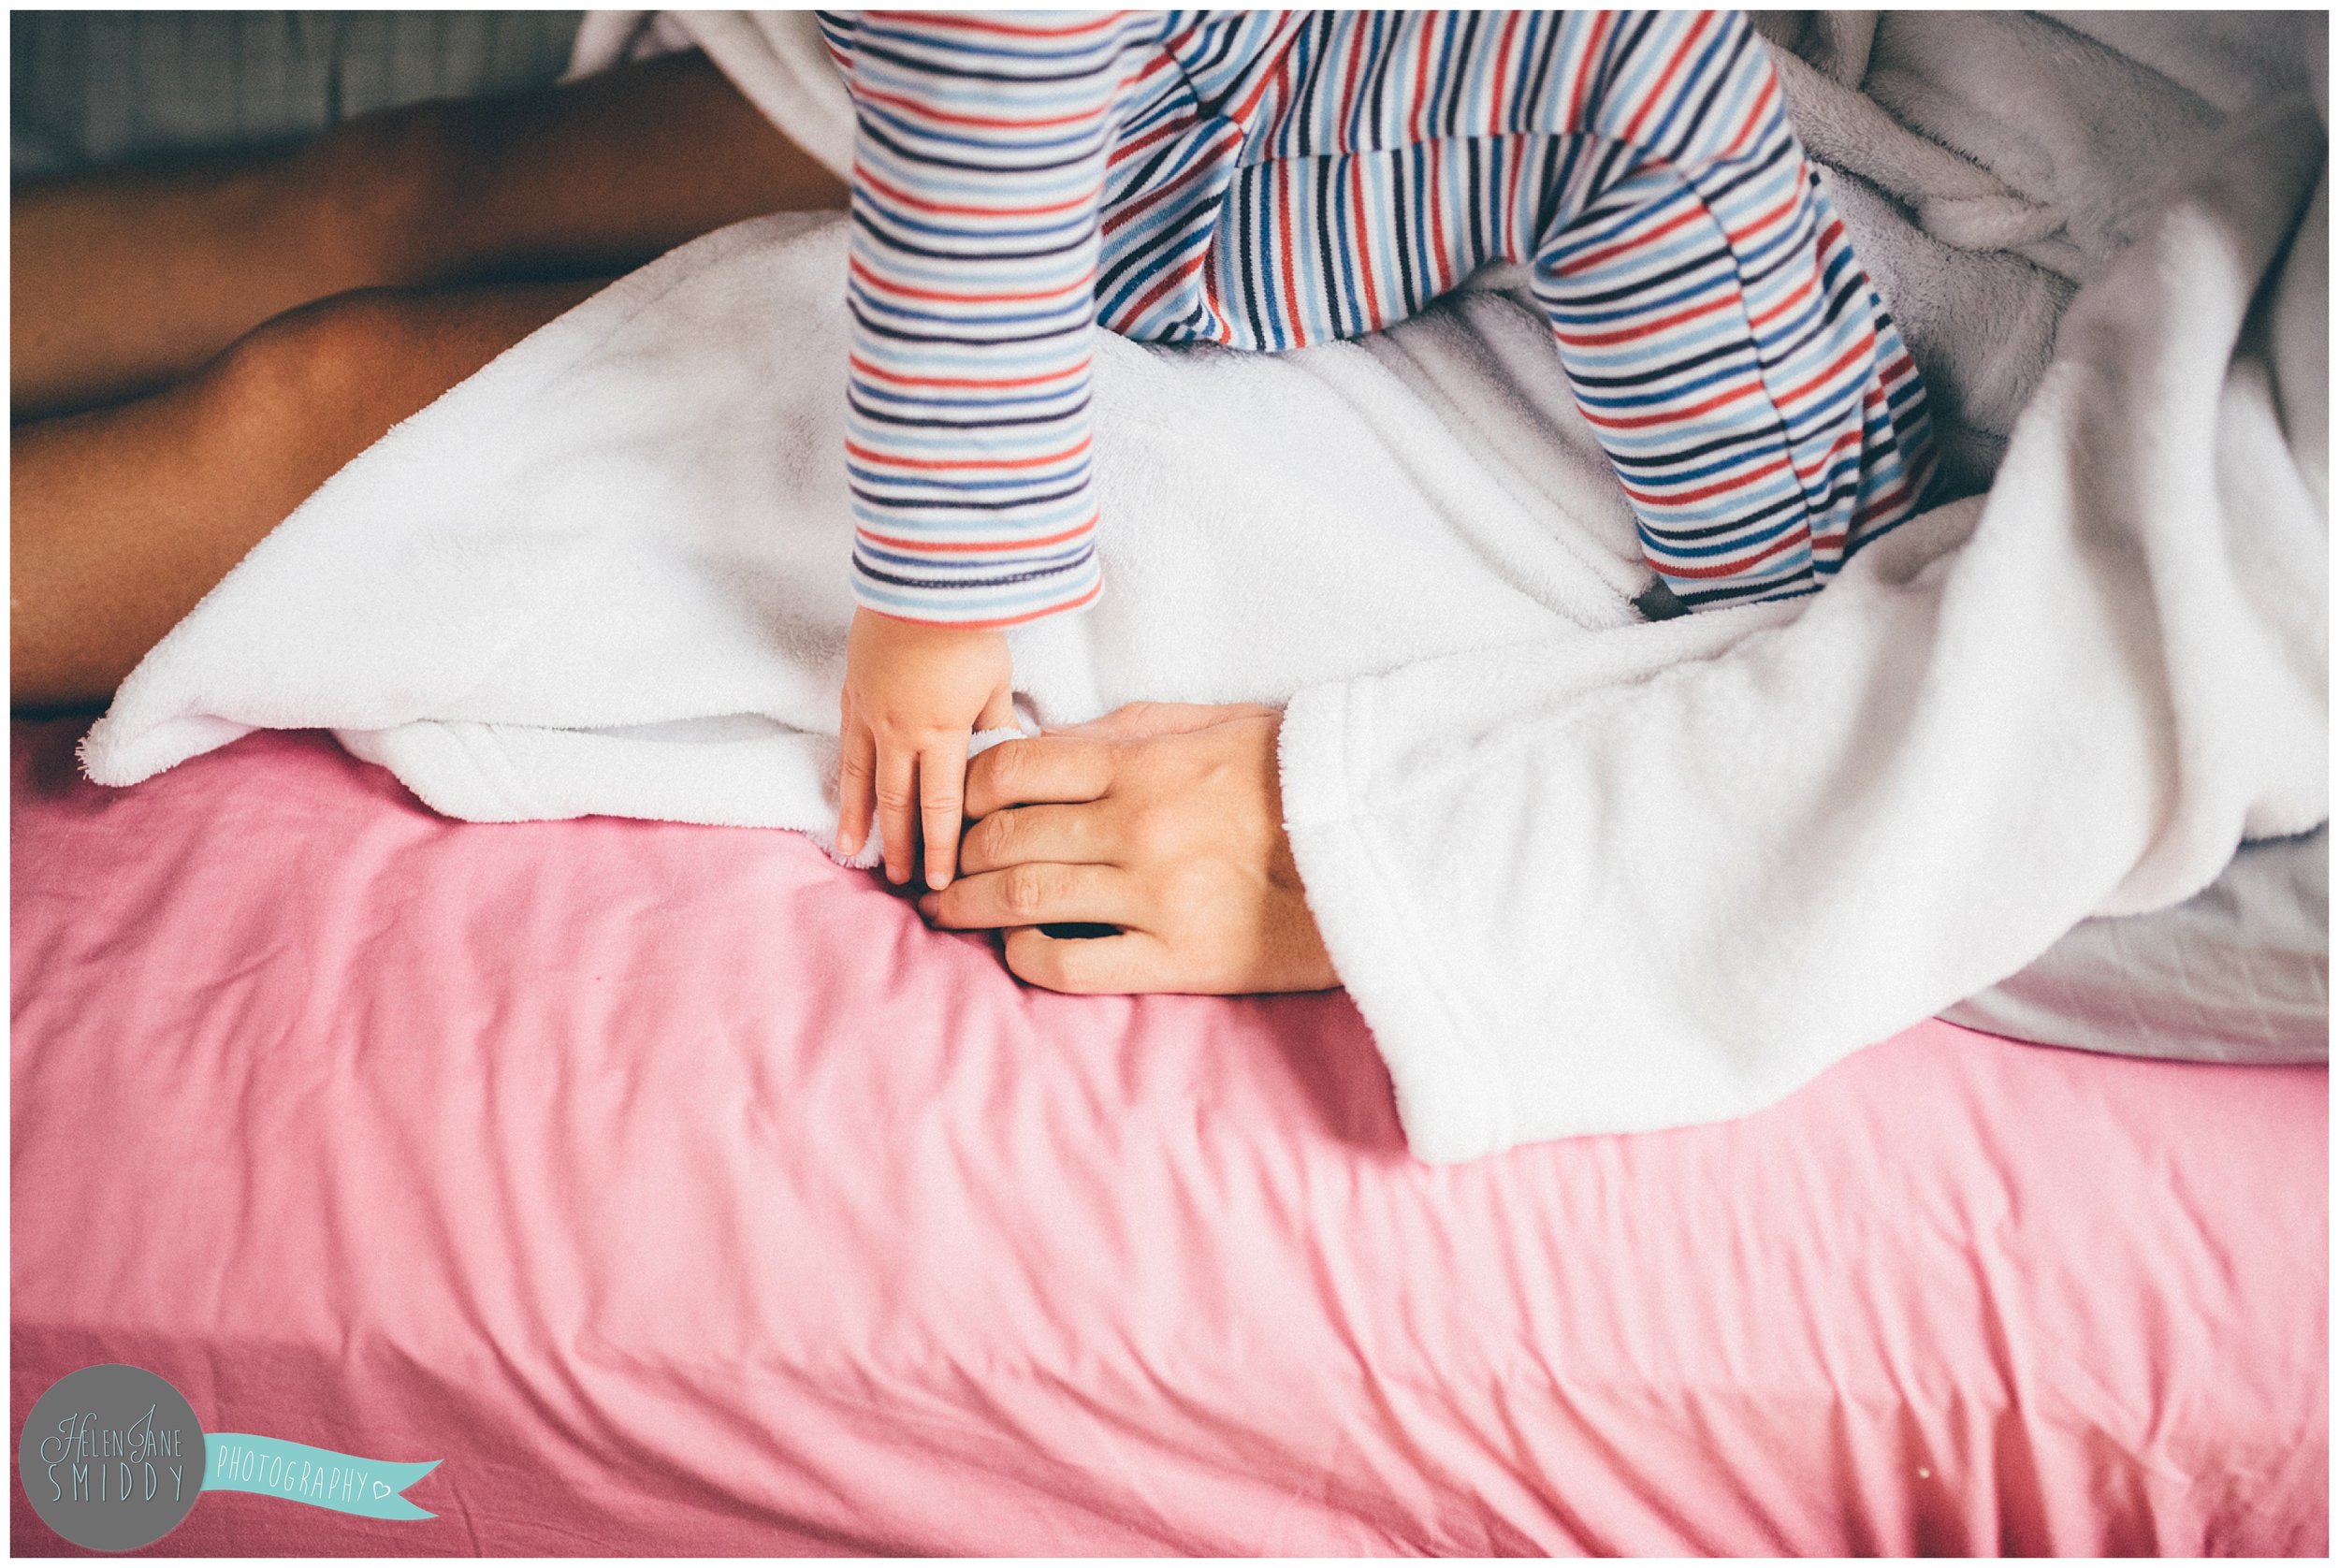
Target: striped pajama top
(1268, 181)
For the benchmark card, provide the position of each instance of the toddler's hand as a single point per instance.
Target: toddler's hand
(914, 694)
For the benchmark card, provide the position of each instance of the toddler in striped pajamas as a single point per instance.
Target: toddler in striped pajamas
(1268, 181)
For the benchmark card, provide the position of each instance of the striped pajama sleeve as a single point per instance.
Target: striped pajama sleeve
(978, 171)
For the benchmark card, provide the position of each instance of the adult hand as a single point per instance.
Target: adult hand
(1163, 820)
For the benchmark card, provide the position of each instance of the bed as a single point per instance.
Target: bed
(680, 1191)
(784, 1224)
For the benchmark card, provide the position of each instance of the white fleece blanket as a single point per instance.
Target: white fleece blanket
(1582, 873)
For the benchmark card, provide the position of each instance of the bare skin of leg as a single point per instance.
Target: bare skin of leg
(121, 519)
(225, 289)
(124, 281)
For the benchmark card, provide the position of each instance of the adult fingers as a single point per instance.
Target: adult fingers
(941, 777)
(1135, 961)
(1035, 893)
(897, 809)
(1067, 835)
(856, 784)
(1137, 720)
(1034, 771)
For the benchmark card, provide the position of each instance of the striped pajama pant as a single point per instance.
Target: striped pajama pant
(1722, 342)
(1268, 182)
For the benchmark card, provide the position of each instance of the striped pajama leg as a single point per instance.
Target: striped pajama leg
(1733, 360)
(1738, 369)
(1741, 373)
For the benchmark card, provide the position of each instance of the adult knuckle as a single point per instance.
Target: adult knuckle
(1156, 833)
(1004, 766)
(1025, 890)
(996, 837)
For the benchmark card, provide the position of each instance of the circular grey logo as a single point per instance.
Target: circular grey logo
(111, 1458)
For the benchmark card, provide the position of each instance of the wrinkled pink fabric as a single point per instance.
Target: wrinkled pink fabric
(682, 1192)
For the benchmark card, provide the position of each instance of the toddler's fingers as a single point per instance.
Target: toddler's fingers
(897, 809)
(856, 782)
(942, 791)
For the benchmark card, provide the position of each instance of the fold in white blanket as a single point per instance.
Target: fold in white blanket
(1581, 873)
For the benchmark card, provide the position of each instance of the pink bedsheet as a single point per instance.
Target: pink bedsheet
(683, 1193)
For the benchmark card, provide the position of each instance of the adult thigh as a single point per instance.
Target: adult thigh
(590, 177)
(125, 280)
(120, 520)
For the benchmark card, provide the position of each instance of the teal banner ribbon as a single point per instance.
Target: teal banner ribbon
(240, 1462)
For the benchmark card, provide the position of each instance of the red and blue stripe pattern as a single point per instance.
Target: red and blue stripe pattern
(1270, 181)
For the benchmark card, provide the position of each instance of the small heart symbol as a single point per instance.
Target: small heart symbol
(381, 1490)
